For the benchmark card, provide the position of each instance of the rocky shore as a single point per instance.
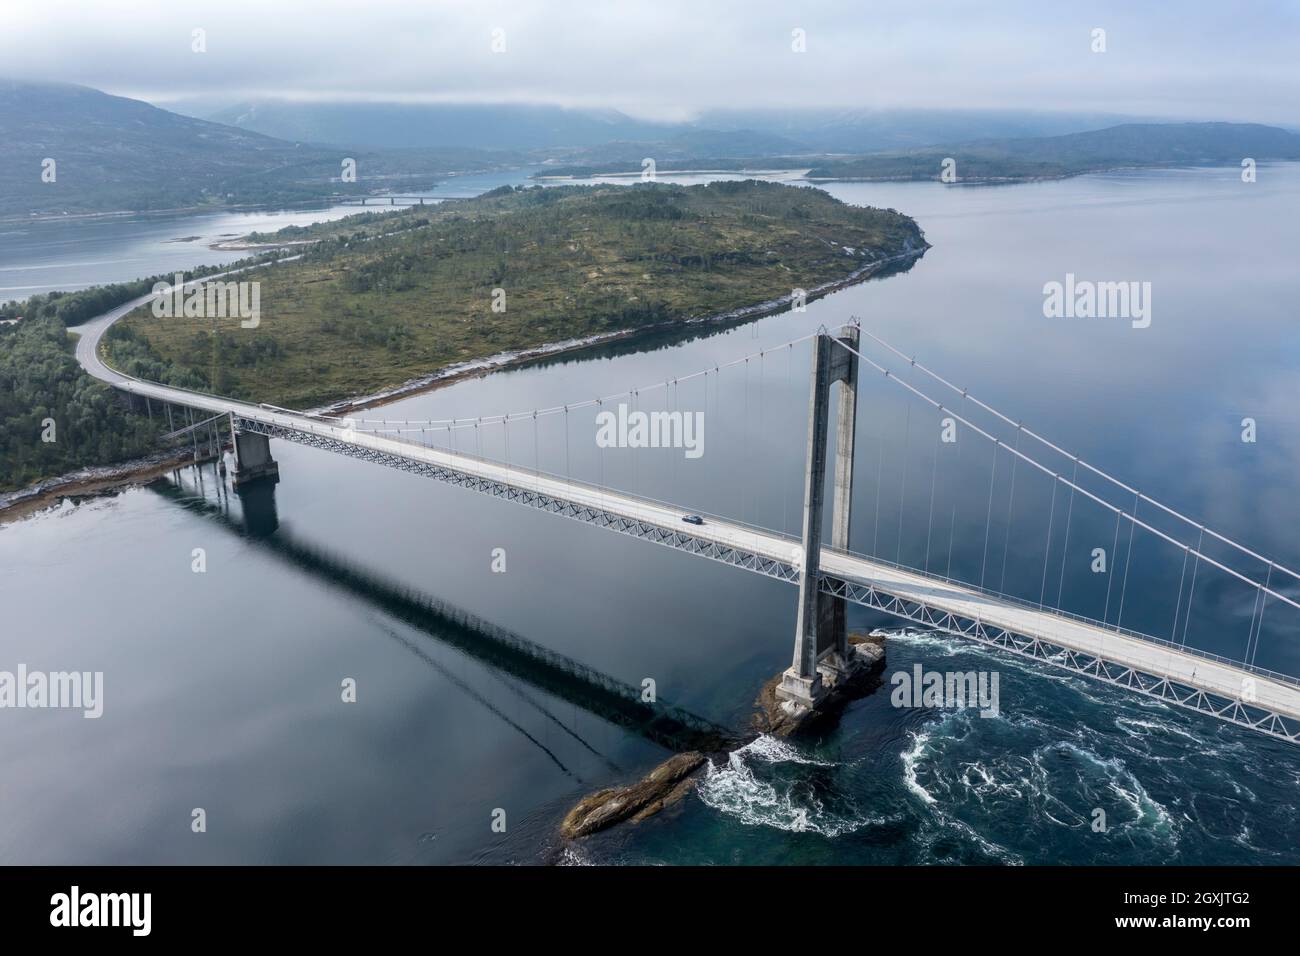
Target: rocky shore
(783, 718)
(662, 787)
(673, 779)
(505, 360)
(88, 481)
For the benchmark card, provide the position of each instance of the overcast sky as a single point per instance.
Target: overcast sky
(671, 59)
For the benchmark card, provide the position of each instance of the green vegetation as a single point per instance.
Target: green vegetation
(999, 160)
(115, 153)
(358, 226)
(73, 308)
(358, 314)
(1050, 157)
(629, 167)
(40, 380)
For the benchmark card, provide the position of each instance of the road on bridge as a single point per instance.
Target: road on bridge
(1188, 667)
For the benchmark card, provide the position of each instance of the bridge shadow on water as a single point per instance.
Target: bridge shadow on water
(512, 657)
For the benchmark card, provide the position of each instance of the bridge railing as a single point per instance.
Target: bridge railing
(597, 487)
(1001, 596)
(1080, 618)
(309, 420)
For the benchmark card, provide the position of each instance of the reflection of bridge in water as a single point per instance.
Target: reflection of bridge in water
(505, 652)
(827, 572)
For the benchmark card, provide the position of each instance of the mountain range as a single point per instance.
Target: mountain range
(111, 153)
(115, 153)
(717, 132)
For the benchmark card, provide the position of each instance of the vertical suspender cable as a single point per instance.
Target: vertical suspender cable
(1259, 625)
(1110, 570)
(952, 523)
(1128, 560)
(988, 518)
(1047, 549)
(1065, 548)
(934, 475)
(744, 450)
(670, 399)
(1011, 498)
(880, 477)
(902, 482)
(1191, 593)
(1178, 601)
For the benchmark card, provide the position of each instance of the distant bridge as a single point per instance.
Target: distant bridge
(827, 574)
(388, 200)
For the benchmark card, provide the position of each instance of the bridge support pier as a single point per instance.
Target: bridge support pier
(821, 649)
(253, 461)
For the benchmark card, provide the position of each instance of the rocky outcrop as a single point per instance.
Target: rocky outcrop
(783, 718)
(662, 787)
(673, 779)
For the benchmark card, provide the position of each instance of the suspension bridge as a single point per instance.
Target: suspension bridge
(827, 572)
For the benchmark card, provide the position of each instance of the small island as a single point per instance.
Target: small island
(383, 303)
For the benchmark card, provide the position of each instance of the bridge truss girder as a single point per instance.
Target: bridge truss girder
(1242, 713)
(680, 540)
(1239, 712)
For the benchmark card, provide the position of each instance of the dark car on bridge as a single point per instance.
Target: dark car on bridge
(693, 519)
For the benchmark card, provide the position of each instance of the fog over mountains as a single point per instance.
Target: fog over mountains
(117, 153)
(719, 132)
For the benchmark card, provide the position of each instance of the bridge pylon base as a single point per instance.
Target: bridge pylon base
(789, 704)
(806, 692)
(253, 461)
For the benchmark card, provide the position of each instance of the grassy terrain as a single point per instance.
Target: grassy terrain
(358, 314)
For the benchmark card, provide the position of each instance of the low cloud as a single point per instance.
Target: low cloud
(671, 59)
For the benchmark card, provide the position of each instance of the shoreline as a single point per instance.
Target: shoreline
(799, 171)
(90, 481)
(101, 478)
(239, 245)
(306, 205)
(501, 361)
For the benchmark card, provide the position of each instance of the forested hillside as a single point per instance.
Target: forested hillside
(356, 315)
(45, 394)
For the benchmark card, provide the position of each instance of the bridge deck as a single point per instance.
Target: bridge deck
(1185, 667)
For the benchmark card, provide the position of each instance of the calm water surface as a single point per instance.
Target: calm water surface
(72, 253)
(222, 689)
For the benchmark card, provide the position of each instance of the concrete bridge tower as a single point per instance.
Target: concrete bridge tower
(253, 461)
(821, 650)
